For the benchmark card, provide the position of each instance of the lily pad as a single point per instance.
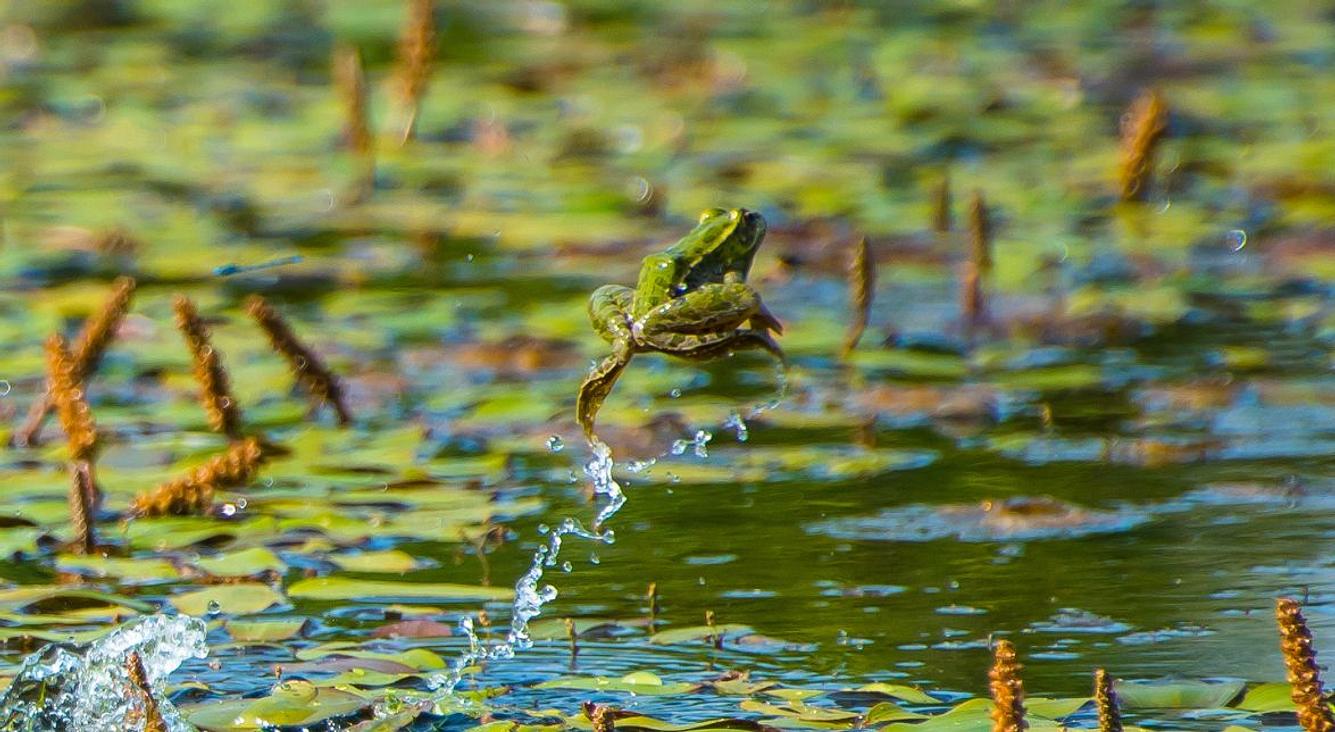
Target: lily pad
(232, 599)
(347, 588)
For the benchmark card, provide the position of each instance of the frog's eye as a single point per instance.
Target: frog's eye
(711, 213)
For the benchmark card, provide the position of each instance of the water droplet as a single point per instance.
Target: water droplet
(470, 257)
(1237, 239)
(241, 503)
(675, 393)
(567, 566)
(544, 529)
(594, 558)
(228, 510)
(5, 388)
(214, 607)
(555, 443)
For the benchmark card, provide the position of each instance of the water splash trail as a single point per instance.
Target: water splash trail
(530, 592)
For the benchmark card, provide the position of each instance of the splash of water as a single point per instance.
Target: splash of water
(68, 686)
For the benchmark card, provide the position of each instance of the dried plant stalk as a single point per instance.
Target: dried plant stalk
(980, 235)
(1304, 675)
(83, 497)
(306, 366)
(65, 387)
(1143, 127)
(1105, 699)
(417, 48)
(941, 206)
(601, 716)
(148, 706)
(972, 300)
(193, 493)
(96, 335)
(714, 637)
(350, 82)
(862, 288)
(215, 391)
(1007, 690)
(574, 639)
(652, 597)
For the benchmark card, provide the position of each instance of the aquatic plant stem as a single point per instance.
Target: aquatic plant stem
(306, 365)
(861, 290)
(1143, 127)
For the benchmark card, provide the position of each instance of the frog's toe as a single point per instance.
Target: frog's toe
(764, 320)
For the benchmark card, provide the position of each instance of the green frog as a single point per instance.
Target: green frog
(690, 301)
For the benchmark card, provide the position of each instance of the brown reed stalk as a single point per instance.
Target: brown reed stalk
(417, 48)
(1143, 126)
(82, 502)
(941, 206)
(96, 335)
(350, 83)
(601, 716)
(1007, 690)
(714, 636)
(574, 639)
(973, 304)
(193, 493)
(148, 706)
(306, 366)
(1105, 700)
(1295, 640)
(980, 234)
(215, 391)
(861, 288)
(652, 597)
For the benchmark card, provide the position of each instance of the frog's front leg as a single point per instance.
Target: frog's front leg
(609, 310)
(710, 310)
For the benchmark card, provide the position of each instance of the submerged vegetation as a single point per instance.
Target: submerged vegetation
(1055, 285)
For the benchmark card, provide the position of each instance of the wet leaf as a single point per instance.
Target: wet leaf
(346, 588)
(1267, 698)
(696, 633)
(1177, 694)
(232, 599)
(389, 561)
(243, 563)
(642, 683)
(294, 702)
(265, 631)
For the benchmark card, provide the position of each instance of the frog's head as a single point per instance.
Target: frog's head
(729, 238)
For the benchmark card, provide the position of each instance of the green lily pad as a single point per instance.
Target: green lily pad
(265, 631)
(1177, 694)
(130, 570)
(642, 683)
(347, 588)
(294, 702)
(242, 563)
(394, 561)
(234, 599)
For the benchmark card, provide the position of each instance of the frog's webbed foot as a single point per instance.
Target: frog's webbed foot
(597, 385)
(764, 320)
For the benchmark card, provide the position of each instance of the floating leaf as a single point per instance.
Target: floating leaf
(696, 632)
(346, 588)
(639, 682)
(392, 560)
(243, 563)
(265, 631)
(129, 570)
(237, 599)
(294, 702)
(1267, 698)
(1177, 694)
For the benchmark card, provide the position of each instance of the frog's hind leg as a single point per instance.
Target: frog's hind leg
(597, 385)
(711, 312)
(609, 310)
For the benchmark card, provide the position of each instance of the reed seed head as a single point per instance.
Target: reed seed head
(1295, 640)
(1105, 700)
(941, 206)
(861, 289)
(143, 690)
(192, 493)
(65, 386)
(417, 49)
(1007, 690)
(980, 234)
(309, 370)
(600, 715)
(1143, 127)
(83, 500)
(214, 385)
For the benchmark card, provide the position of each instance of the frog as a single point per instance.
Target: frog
(690, 301)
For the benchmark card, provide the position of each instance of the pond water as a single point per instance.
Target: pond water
(1119, 462)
